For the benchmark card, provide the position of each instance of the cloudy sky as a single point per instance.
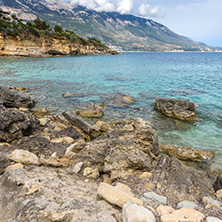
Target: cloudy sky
(198, 19)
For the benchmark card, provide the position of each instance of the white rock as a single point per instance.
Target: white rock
(134, 213)
(157, 197)
(24, 156)
(210, 202)
(77, 167)
(187, 204)
(213, 219)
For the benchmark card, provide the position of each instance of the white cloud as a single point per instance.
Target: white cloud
(97, 5)
(125, 6)
(146, 10)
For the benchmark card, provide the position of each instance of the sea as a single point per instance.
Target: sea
(143, 76)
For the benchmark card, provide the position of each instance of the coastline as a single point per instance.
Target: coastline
(66, 148)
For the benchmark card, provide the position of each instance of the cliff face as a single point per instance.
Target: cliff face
(44, 46)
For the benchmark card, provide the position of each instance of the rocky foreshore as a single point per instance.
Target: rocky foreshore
(61, 168)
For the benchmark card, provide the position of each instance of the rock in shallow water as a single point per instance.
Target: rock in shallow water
(186, 153)
(11, 98)
(176, 108)
(15, 124)
(93, 110)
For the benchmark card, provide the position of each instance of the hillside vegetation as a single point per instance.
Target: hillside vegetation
(11, 25)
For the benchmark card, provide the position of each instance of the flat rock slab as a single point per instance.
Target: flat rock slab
(187, 153)
(176, 108)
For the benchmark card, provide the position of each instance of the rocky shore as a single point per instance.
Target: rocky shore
(61, 168)
(44, 46)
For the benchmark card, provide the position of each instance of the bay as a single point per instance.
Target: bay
(141, 75)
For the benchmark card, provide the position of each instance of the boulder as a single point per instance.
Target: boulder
(14, 98)
(93, 110)
(176, 108)
(186, 153)
(24, 157)
(15, 124)
(189, 215)
(129, 144)
(117, 195)
(179, 182)
(134, 213)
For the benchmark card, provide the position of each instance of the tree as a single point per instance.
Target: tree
(58, 29)
(41, 25)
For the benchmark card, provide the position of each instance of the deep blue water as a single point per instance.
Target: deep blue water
(143, 76)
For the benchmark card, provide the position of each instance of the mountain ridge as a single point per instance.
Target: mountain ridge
(128, 32)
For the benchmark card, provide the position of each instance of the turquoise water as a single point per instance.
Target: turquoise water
(143, 76)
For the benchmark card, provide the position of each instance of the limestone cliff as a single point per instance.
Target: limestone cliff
(11, 45)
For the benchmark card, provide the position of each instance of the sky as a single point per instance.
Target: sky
(200, 20)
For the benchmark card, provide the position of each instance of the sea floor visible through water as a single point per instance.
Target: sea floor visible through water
(143, 76)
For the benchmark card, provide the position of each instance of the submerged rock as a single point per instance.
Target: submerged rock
(93, 110)
(176, 108)
(117, 99)
(15, 124)
(14, 98)
(186, 153)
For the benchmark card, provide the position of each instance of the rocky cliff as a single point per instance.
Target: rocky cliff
(44, 46)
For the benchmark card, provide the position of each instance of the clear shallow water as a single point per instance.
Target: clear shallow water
(143, 76)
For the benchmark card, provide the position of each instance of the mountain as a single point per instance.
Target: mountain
(111, 28)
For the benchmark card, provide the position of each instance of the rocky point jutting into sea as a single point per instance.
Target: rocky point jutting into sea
(61, 168)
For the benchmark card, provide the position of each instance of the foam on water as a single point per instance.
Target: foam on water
(143, 76)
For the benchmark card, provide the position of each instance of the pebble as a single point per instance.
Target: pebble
(77, 168)
(219, 194)
(91, 173)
